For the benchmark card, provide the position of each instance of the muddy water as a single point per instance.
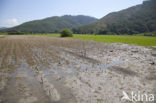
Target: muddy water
(21, 82)
(25, 87)
(65, 93)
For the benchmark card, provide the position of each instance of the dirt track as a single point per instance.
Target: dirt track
(63, 70)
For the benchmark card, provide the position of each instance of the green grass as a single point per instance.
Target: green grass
(139, 40)
(2, 36)
(49, 35)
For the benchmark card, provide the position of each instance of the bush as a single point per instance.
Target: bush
(66, 33)
(15, 33)
(150, 34)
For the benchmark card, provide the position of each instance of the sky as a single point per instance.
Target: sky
(15, 12)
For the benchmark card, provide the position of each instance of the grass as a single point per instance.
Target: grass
(138, 40)
(50, 35)
(1, 36)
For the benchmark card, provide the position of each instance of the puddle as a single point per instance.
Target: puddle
(23, 87)
(65, 93)
(53, 87)
(84, 66)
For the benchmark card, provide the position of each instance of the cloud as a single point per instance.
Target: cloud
(12, 22)
(9, 22)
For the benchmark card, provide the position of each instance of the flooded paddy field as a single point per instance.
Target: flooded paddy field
(37, 69)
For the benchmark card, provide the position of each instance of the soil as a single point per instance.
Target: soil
(42, 69)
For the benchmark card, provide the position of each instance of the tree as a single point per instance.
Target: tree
(66, 33)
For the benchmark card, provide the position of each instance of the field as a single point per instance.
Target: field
(41, 69)
(138, 40)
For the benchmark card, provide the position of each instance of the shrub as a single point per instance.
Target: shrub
(15, 33)
(150, 34)
(66, 33)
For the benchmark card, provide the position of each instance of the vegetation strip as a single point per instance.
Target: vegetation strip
(138, 40)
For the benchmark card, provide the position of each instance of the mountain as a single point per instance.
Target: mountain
(52, 24)
(137, 19)
(1, 28)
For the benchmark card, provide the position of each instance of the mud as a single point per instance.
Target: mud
(63, 70)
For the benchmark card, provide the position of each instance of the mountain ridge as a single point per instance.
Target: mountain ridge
(1, 28)
(52, 24)
(136, 19)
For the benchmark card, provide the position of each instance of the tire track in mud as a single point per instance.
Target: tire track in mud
(49, 83)
(24, 82)
(67, 62)
(54, 88)
(5, 56)
(2, 47)
(23, 87)
(7, 64)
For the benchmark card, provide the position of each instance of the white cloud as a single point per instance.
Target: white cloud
(11, 22)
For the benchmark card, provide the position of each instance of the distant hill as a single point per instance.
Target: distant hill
(52, 24)
(137, 19)
(1, 28)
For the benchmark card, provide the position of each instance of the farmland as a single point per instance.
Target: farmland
(92, 51)
(46, 69)
(138, 40)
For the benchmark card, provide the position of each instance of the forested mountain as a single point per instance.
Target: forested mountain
(52, 24)
(137, 19)
(1, 28)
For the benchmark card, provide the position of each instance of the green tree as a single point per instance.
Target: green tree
(66, 33)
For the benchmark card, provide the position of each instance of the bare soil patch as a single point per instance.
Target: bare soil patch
(64, 70)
